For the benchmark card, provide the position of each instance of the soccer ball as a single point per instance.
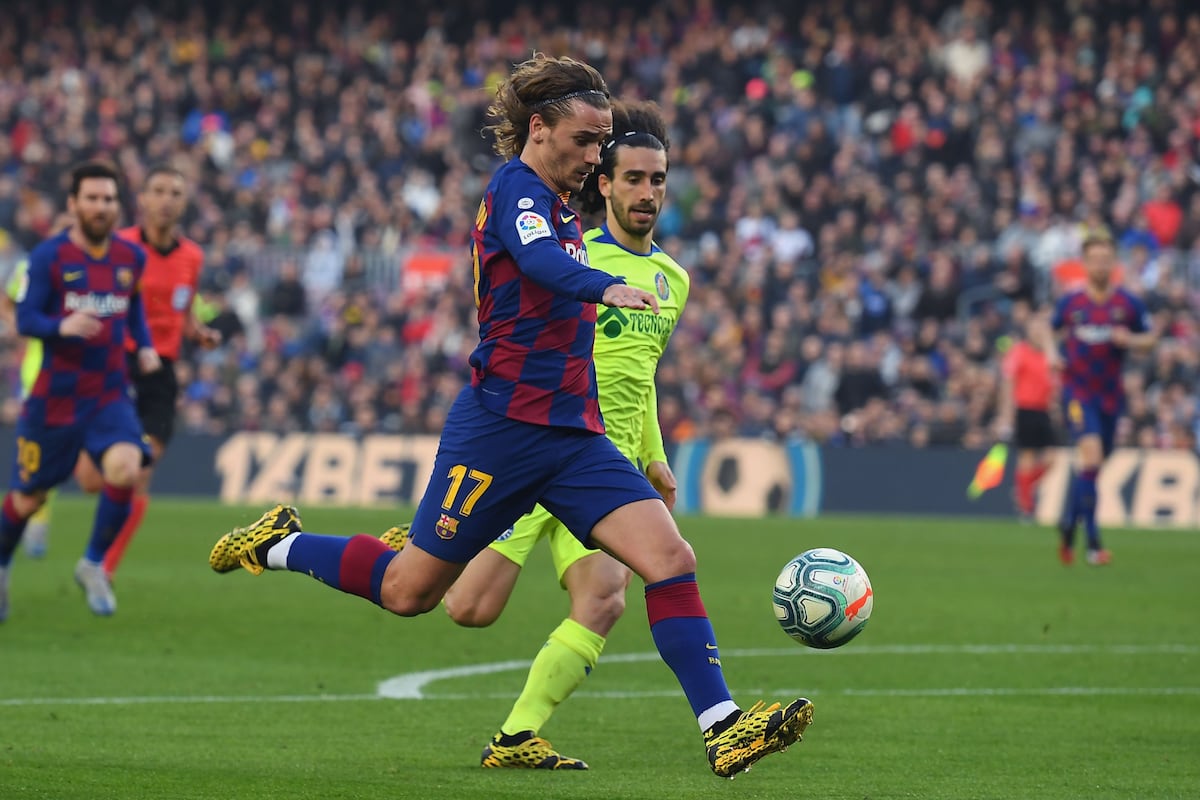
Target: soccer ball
(823, 598)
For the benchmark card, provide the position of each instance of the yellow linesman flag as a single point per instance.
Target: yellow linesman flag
(990, 471)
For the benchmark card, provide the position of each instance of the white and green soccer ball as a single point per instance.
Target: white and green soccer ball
(823, 598)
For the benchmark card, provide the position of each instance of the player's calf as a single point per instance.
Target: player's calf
(407, 584)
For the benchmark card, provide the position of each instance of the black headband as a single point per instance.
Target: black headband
(616, 140)
(581, 93)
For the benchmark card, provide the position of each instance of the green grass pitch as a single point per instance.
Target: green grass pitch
(988, 670)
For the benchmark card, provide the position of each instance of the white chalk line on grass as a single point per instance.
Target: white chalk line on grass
(965, 691)
(412, 686)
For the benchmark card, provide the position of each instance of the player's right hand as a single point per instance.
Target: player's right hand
(148, 360)
(81, 324)
(663, 480)
(621, 296)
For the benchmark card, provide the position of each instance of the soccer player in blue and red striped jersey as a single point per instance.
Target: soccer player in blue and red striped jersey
(81, 299)
(529, 429)
(1099, 324)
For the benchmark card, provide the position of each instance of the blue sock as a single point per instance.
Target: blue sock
(111, 512)
(1070, 518)
(1086, 490)
(352, 564)
(685, 640)
(12, 526)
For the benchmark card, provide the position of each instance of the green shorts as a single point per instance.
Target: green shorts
(518, 542)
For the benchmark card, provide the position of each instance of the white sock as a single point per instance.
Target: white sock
(277, 555)
(710, 716)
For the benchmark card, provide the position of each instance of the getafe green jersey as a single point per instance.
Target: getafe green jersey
(629, 343)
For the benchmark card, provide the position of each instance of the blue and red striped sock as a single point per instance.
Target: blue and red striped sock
(12, 525)
(352, 564)
(111, 512)
(685, 640)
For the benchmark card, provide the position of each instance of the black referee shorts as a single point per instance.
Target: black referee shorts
(1034, 430)
(157, 394)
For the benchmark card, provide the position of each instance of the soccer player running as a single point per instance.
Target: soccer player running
(1026, 390)
(81, 299)
(630, 185)
(168, 287)
(1099, 324)
(528, 429)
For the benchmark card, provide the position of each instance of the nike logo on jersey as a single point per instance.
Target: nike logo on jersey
(566, 218)
(73, 275)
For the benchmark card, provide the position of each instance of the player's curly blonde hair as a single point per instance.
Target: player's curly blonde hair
(542, 85)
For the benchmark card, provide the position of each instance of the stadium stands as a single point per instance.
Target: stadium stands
(869, 199)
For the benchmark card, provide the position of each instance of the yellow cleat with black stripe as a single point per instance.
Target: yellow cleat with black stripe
(396, 537)
(525, 751)
(247, 547)
(757, 732)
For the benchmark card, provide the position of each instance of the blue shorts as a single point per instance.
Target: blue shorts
(46, 455)
(1085, 418)
(491, 470)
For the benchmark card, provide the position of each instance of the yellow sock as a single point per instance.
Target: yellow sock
(560, 666)
(43, 514)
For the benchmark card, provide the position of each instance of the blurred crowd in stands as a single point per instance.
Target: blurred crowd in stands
(871, 196)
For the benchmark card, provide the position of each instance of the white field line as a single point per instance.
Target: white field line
(412, 686)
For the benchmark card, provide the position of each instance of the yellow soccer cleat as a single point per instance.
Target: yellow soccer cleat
(396, 537)
(247, 547)
(759, 731)
(525, 751)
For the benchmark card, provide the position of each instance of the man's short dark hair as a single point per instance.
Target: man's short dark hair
(92, 169)
(163, 168)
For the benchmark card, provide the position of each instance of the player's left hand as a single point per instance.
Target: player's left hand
(663, 480)
(148, 360)
(207, 337)
(619, 295)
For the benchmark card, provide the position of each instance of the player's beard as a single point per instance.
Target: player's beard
(635, 227)
(1100, 283)
(96, 228)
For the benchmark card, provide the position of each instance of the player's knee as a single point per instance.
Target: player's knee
(406, 604)
(26, 505)
(680, 558)
(469, 612)
(599, 612)
(121, 473)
